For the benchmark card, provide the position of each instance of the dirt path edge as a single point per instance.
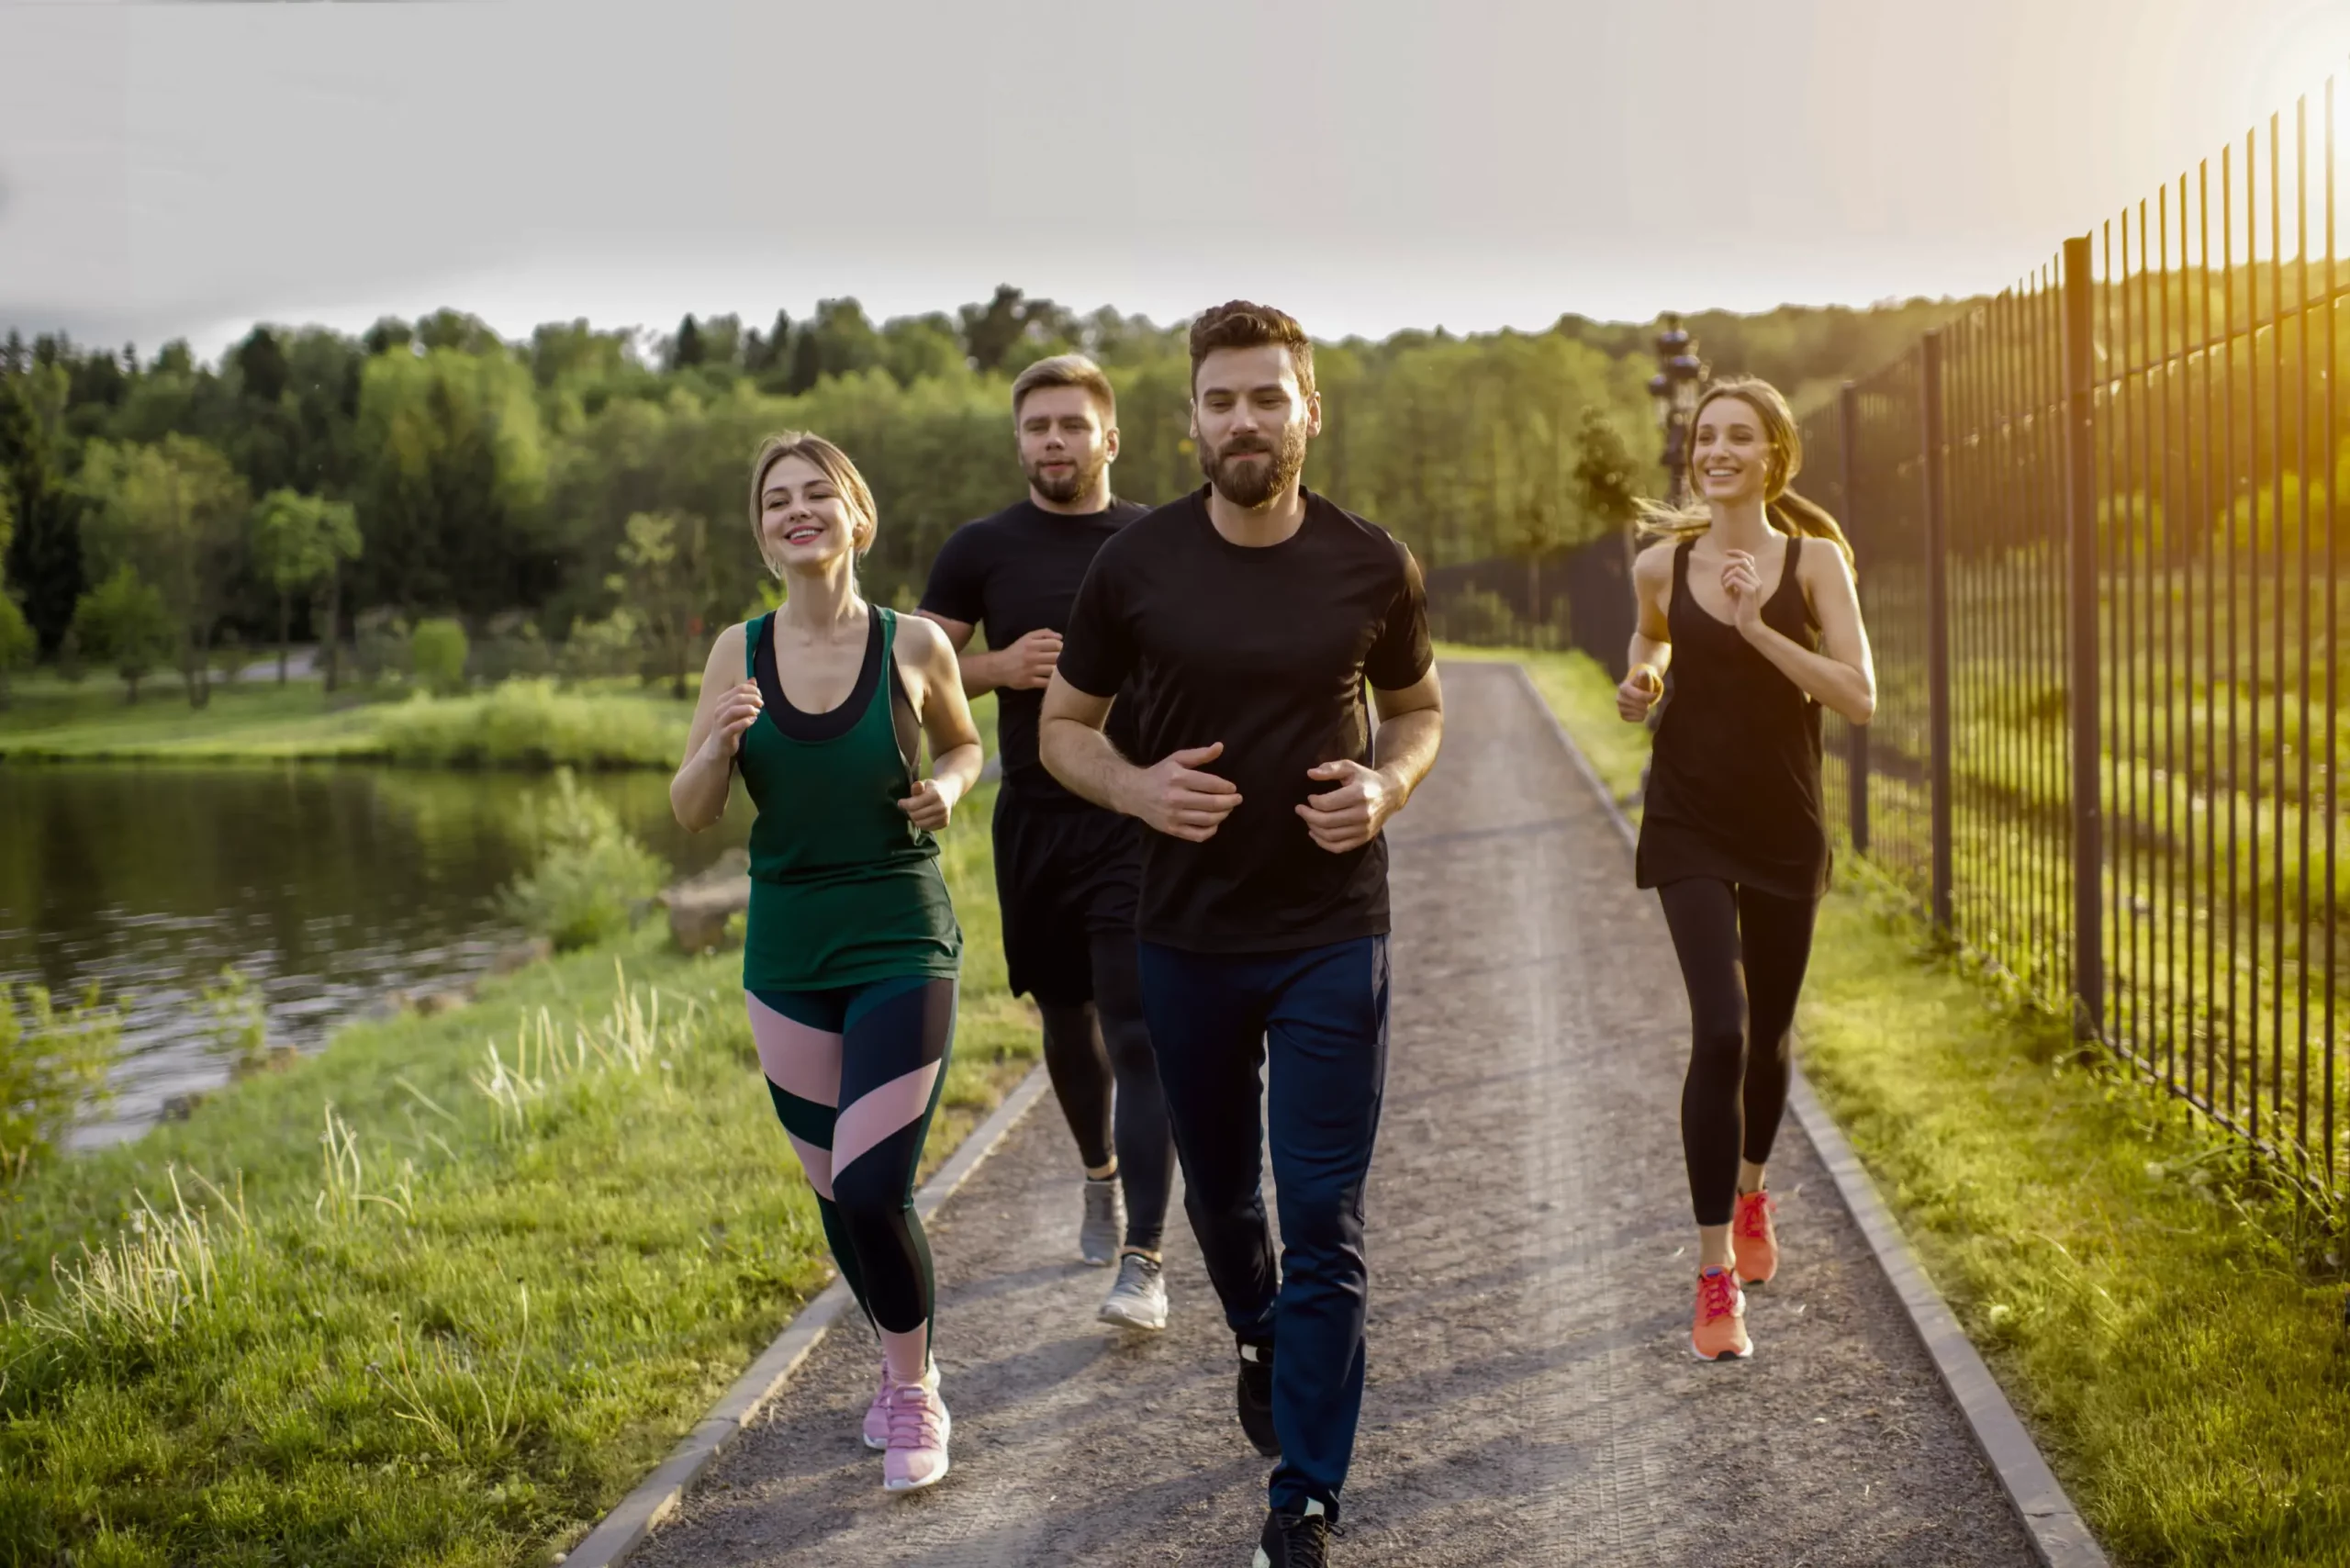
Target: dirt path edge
(626, 1527)
(2060, 1537)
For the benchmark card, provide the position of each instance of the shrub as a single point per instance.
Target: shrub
(1479, 616)
(528, 723)
(588, 874)
(379, 645)
(511, 646)
(124, 621)
(437, 652)
(612, 646)
(53, 1064)
(238, 1022)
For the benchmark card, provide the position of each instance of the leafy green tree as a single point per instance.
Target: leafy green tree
(687, 349)
(43, 558)
(124, 621)
(459, 331)
(576, 352)
(390, 332)
(763, 355)
(448, 504)
(175, 511)
(1606, 488)
(722, 343)
(838, 340)
(261, 365)
(990, 329)
(17, 643)
(664, 557)
(299, 542)
(437, 649)
(921, 348)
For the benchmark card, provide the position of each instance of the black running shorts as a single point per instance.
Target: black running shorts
(1063, 875)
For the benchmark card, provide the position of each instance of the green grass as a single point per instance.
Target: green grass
(461, 1336)
(2170, 1328)
(1578, 689)
(520, 723)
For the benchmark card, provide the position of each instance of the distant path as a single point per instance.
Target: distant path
(1532, 1398)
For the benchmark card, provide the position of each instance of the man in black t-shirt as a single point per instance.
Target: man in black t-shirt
(1066, 871)
(1256, 612)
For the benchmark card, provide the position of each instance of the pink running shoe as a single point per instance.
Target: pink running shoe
(918, 1428)
(1755, 1238)
(877, 1415)
(1717, 1333)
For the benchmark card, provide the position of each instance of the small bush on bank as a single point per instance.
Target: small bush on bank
(529, 724)
(437, 651)
(53, 1062)
(589, 872)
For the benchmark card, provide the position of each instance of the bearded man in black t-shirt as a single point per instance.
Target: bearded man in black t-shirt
(1255, 612)
(1066, 871)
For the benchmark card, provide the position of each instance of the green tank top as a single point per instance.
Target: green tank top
(845, 889)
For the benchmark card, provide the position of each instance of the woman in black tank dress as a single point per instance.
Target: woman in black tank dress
(1748, 599)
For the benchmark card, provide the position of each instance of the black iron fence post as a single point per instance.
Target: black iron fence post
(1856, 736)
(2080, 531)
(1937, 628)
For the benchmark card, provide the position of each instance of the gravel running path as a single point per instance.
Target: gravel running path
(1532, 1399)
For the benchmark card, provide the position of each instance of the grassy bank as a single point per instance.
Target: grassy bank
(2172, 1330)
(520, 723)
(440, 1294)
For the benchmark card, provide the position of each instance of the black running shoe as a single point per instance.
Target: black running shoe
(1295, 1540)
(1256, 1398)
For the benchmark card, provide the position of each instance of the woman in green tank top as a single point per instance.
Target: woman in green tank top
(851, 952)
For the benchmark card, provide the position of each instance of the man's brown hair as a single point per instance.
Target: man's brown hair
(1067, 370)
(1237, 324)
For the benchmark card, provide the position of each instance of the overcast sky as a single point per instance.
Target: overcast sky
(184, 169)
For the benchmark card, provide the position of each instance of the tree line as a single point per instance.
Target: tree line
(577, 500)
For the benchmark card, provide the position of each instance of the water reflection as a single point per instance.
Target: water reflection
(329, 888)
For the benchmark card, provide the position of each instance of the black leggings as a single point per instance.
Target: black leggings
(1742, 957)
(1092, 1047)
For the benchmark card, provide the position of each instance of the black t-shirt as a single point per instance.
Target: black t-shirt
(1016, 573)
(1266, 650)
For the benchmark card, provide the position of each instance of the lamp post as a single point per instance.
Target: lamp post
(1673, 391)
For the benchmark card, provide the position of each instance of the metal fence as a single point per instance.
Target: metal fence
(2097, 524)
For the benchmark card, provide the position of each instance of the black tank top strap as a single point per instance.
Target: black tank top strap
(816, 728)
(1791, 582)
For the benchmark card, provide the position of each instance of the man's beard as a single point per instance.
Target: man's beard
(1252, 485)
(1075, 484)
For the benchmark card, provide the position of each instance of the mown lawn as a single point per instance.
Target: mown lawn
(519, 724)
(422, 1304)
(2169, 1325)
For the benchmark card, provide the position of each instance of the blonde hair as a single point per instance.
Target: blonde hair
(1788, 513)
(826, 459)
(1067, 370)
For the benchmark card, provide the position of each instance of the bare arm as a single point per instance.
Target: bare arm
(1842, 677)
(1171, 795)
(1024, 666)
(1650, 653)
(1411, 727)
(926, 654)
(728, 706)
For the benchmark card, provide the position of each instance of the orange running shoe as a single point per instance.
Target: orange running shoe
(1718, 1333)
(1757, 1243)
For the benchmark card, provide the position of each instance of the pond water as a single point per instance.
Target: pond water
(329, 888)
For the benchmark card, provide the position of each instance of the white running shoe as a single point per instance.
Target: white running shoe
(1140, 1298)
(1104, 1224)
